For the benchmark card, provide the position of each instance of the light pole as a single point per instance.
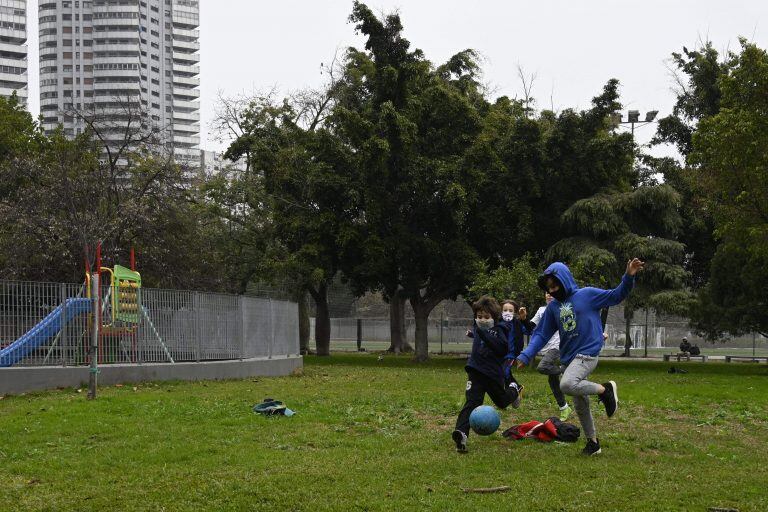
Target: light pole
(633, 118)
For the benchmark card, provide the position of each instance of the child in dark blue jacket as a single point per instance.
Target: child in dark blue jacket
(485, 367)
(575, 313)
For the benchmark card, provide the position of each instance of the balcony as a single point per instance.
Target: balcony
(188, 46)
(13, 50)
(186, 106)
(119, 88)
(186, 117)
(185, 94)
(21, 92)
(189, 141)
(187, 70)
(186, 59)
(185, 129)
(179, 80)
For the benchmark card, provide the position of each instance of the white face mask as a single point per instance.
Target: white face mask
(508, 316)
(484, 323)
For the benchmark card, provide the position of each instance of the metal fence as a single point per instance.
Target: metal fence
(50, 324)
(449, 335)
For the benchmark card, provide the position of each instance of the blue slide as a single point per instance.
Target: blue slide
(42, 332)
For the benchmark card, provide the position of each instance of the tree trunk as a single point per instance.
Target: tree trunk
(627, 332)
(398, 340)
(645, 343)
(303, 323)
(322, 321)
(421, 313)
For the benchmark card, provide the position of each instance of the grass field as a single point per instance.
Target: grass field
(374, 435)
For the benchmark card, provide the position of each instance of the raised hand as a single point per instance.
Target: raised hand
(634, 266)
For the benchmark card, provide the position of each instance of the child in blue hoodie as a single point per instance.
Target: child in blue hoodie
(575, 313)
(485, 367)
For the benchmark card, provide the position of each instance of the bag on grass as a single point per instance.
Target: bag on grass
(271, 407)
(551, 430)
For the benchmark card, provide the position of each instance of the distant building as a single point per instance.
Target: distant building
(213, 162)
(13, 49)
(99, 58)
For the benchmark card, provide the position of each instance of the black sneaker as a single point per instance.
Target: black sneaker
(460, 438)
(592, 448)
(610, 398)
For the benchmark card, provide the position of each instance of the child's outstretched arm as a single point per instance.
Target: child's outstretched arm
(600, 299)
(541, 335)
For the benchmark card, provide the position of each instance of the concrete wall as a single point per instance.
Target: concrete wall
(37, 378)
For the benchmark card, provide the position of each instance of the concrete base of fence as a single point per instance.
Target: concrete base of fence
(36, 378)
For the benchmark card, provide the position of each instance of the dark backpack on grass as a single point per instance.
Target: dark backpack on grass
(566, 432)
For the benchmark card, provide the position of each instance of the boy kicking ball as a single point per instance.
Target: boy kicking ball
(485, 367)
(575, 313)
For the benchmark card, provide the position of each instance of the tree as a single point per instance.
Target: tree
(697, 77)
(70, 194)
(20, 139)
(409, 125)
(518, 281)
(294, 204)
(731, 174)
(609, 229)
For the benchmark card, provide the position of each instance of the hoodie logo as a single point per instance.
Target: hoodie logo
(567, 317)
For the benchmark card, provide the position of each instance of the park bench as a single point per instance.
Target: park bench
(754, 359)
(681, 355)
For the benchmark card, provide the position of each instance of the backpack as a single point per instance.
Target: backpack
(695, 350)
(551, 430)
(271, 407)
(566, 432)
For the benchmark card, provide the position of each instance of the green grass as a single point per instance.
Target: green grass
(374, 435)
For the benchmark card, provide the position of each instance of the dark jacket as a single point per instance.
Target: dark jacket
(518, 329)
(489, 348)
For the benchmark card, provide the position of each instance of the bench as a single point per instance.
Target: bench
(679, 356)
(754, 359)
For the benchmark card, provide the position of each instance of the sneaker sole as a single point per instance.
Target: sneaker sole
(615, 396)
(598, 452)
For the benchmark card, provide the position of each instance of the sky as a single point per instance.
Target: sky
(572, 47)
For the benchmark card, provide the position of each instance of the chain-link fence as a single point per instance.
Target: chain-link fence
(449, 321)
(51, 324)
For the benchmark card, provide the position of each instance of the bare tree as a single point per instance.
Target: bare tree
(527, 83)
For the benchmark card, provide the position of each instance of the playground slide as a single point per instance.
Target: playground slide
(42, 332)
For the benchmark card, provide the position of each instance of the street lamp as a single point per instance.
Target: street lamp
(633, 118)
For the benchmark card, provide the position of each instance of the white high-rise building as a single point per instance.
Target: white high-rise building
(121, 62)
(13, 48)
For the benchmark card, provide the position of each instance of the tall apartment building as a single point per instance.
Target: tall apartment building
(110, 60)
(13, 48)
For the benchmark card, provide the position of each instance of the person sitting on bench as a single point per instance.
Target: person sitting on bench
(685, 347)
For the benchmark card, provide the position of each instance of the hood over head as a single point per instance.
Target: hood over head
(563, 274)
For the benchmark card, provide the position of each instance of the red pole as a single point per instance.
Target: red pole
(133, 260)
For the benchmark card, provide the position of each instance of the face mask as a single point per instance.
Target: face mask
(508, 316)
(484, 323)
(559, 295)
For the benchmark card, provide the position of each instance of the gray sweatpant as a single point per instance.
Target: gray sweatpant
(575, 383)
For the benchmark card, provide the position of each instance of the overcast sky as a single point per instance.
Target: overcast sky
(573, 47)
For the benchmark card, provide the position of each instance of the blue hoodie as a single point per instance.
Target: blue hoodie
(577, 318)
